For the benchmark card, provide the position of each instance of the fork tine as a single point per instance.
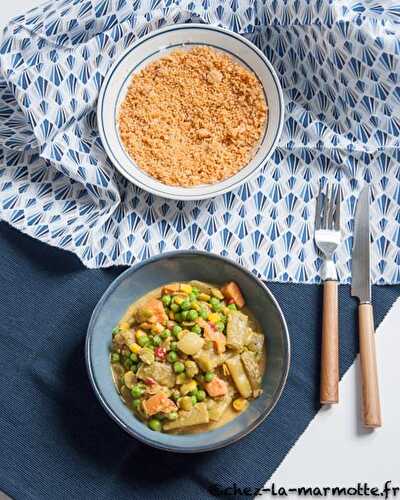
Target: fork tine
(332, 205)
(337, 208)
(325, 218)
(318, 208)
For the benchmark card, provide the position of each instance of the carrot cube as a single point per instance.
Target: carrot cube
(158, 403)
(231, 291)
(217, 387)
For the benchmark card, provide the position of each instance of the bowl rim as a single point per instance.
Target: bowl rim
(211, 190)
(173, 447)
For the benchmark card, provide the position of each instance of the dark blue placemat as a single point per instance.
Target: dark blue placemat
(56, 442)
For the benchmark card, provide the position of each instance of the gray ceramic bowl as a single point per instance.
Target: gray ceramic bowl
(184, 266)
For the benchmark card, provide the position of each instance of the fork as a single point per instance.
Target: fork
(327, 238)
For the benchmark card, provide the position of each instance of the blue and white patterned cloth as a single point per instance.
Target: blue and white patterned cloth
(339, 65)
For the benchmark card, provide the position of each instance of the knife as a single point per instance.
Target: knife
(361, 288)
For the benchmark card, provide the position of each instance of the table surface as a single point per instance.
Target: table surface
(318, 458)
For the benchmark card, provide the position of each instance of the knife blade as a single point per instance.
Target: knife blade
(360, 269)
(361, 288)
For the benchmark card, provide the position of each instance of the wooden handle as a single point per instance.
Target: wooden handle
(369, 372)
(329, 391)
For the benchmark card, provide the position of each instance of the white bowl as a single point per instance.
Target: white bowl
(157, 44)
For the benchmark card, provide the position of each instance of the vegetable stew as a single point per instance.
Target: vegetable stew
(188, 357)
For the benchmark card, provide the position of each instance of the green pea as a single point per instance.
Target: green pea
(173, 415)
(115, 331)
(195, 290)
(136, 404)
(173, 346)
(185, 305)
(196, 329)
(134, 357)
(194, 399)
(143, 340)
(215, 304)
(214, 301)
(193, 315)
(178, 317)
(172, 356)
(185, 315)
(203, 313)
(137, 391)
(232, 307)
(157, 340)
(155, 425)
(192, 297)
(176, 329)
(128, 363)
(166, 300)
(221, 326)
(174, 307)
(179, 367)
(165, 334)
(114, 357)
(201, 395)
(208, 376)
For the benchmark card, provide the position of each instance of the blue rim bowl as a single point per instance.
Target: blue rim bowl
(185, 266)
(151, 47)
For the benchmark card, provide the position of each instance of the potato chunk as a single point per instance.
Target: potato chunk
(239, 376)
(129, 337)
(252, 369)
(191, 343)
(216, 407)
(146, 355)
(195, 416)
(203, 287)
(162, 373)
(255, 342)
(207, 359)
(236, 330)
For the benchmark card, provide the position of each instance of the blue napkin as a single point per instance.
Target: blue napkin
(56, 440)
